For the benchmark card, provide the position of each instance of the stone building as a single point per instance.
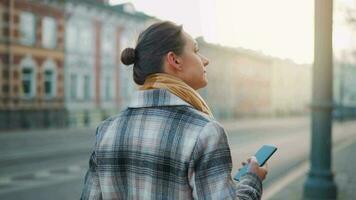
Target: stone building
(344, 88)
(60, 66)
(31, 65)
(291, 87)
(239, 81)
(60, 61)
(96, 33)
(245, 83)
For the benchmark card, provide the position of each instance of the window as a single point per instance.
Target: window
(73, 86)
(71, 36)
(27, 28)
(108, 47)
(79, 36)
(28, 82)
(49, 78)
(86, 44)
(108, 39)
(108, 93)
(49, 32)
(108, 88)
(49, 83)
(86, 87)
(28, 77)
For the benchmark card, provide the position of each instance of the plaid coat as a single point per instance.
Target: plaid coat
(160, 147)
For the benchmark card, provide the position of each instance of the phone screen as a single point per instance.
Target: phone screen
(262, 155)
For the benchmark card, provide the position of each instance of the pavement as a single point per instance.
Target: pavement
(262, 123)
(291, 185)
(285, 180)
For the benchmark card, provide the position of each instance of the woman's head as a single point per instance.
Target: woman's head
(165, 48)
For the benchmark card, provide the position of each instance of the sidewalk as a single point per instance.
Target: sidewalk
(344, 165)
(275, 122)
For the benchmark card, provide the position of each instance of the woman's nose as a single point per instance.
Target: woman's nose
(205, 61)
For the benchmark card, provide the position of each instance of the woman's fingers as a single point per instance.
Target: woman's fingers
(265, 167)
(253, 159)
(248, 160)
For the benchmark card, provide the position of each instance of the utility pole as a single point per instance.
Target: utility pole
(320, 182)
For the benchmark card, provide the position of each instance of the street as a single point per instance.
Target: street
(44, 164)
(51, 164)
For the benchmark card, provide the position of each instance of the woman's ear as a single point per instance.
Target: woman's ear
(174, 62)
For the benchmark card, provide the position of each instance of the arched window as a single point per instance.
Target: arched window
(28, 76)
(50, 81)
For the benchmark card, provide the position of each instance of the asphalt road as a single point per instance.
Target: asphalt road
(48, 164)
(51, 164)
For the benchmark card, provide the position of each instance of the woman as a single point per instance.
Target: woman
(166, 144)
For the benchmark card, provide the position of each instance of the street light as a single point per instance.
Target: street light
(320, 182)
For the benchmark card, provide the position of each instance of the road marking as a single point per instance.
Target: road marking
(300, 170)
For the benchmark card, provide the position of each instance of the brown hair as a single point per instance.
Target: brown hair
(152, 45)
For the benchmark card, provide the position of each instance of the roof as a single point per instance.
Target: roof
(117, 9)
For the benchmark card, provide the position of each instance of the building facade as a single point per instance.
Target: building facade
(60, 61)
(32, 74)
(244, 83)
(96, 33)
(291, 88)
(344, 89)
(239, 81)
(60, 66)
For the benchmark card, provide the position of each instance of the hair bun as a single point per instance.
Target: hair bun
(128, 56)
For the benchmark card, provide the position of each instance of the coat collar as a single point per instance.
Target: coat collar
(155, 97)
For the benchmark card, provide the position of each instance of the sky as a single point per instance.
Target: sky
(280, 28)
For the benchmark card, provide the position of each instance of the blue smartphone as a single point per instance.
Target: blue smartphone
(262, 155)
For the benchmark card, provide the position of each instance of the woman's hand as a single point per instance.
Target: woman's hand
(254, 167)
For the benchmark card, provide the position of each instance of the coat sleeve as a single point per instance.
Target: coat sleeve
(92, 188)
(210, 169)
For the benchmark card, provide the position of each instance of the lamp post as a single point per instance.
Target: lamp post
(320, 183)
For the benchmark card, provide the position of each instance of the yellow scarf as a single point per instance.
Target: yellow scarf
(177, 87)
